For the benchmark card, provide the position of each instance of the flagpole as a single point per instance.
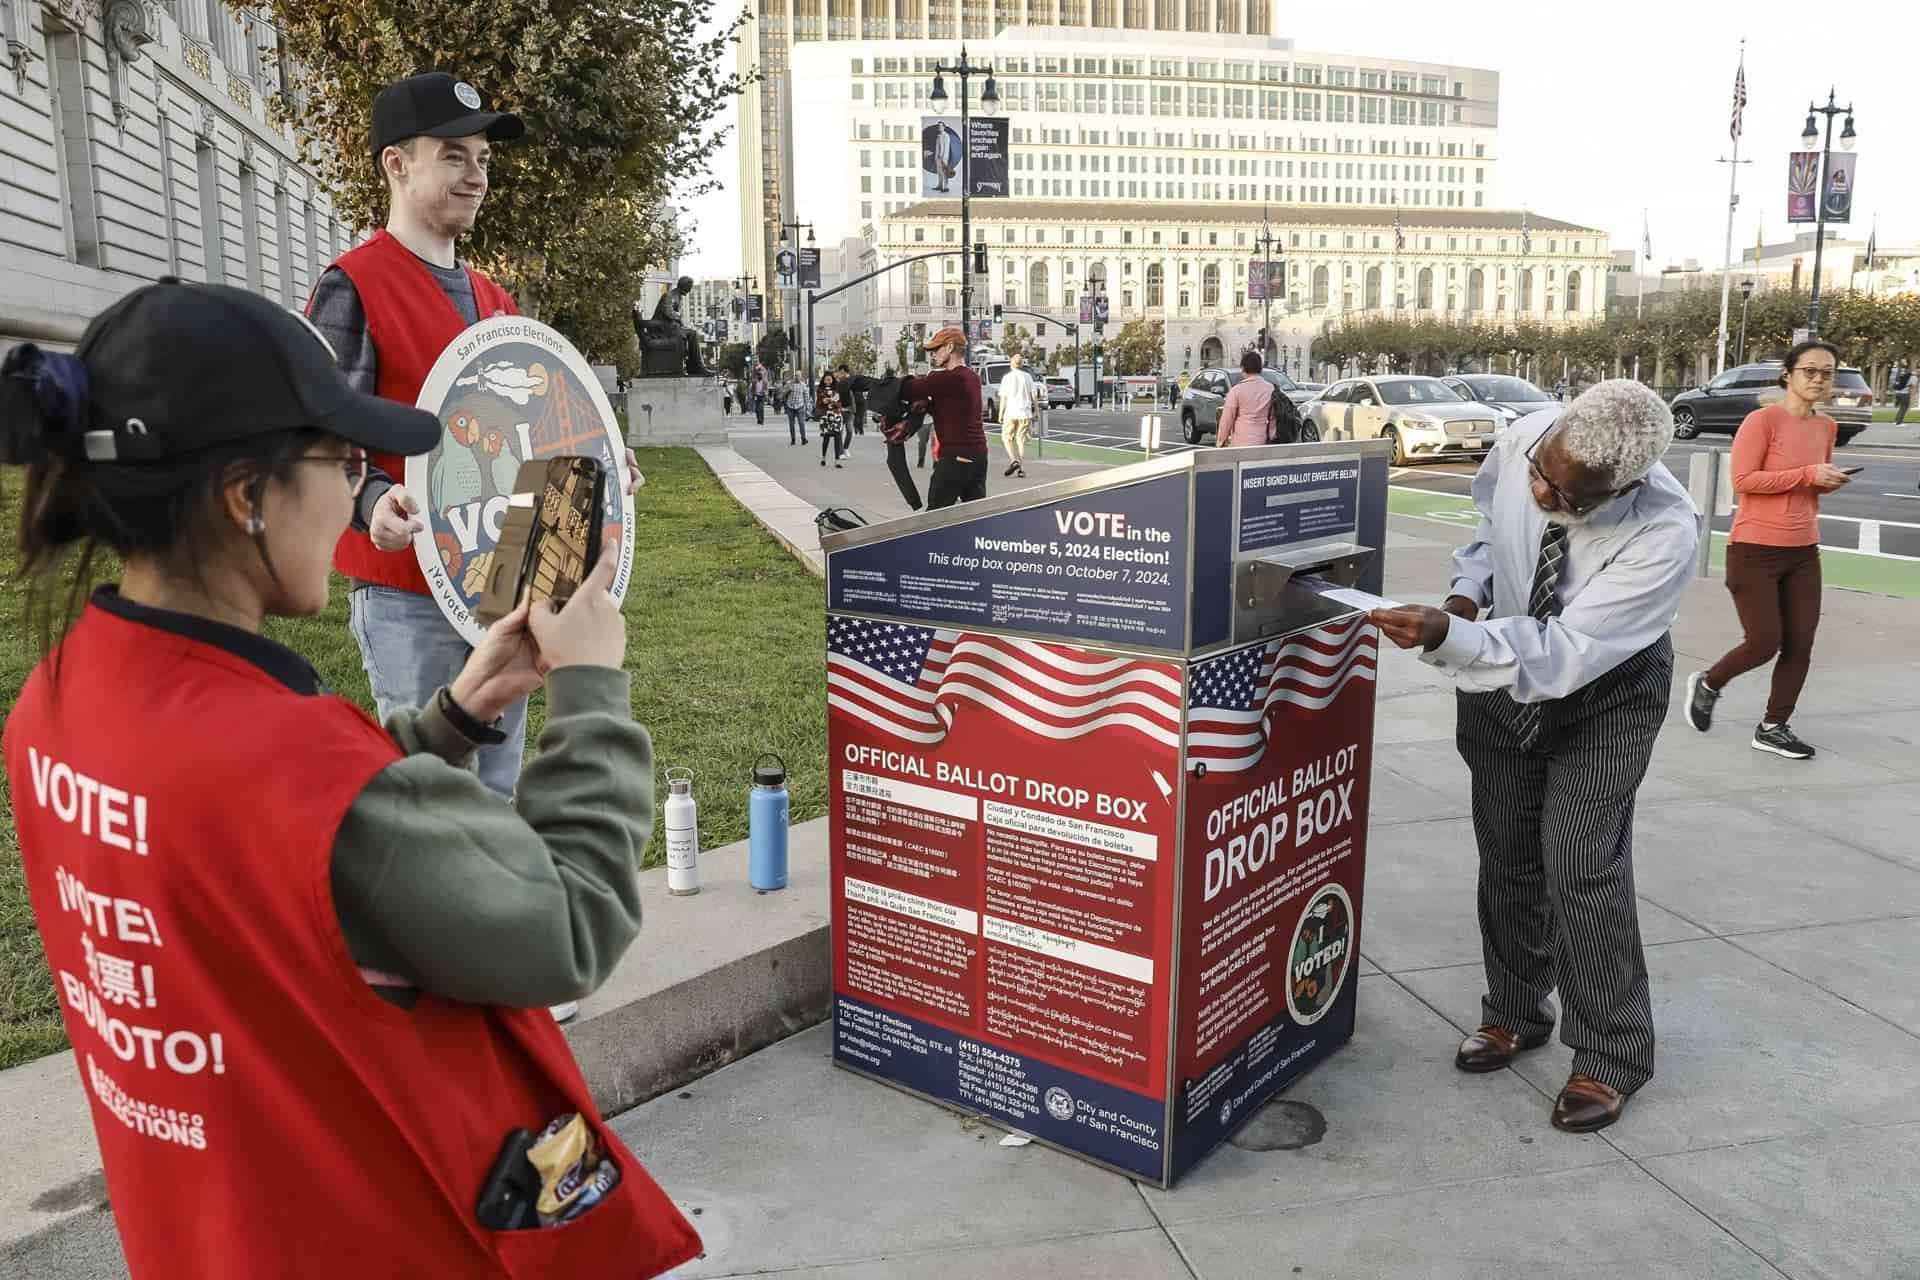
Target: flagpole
(1640, 286)
(1733, 202)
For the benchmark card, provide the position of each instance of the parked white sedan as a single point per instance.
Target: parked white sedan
(1421, 417)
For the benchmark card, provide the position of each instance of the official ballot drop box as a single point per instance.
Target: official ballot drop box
(1099, 755)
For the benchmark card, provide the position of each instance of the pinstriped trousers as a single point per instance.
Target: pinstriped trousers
(1555, 830)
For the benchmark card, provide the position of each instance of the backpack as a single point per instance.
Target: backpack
(1283, 419)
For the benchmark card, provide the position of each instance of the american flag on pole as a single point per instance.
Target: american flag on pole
(910, 682)
(1739, 97)
(1526, 236)
(1229, 716)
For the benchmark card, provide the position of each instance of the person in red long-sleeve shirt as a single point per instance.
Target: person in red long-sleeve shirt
(959, 439)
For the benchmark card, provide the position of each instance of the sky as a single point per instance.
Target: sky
(1626, 110)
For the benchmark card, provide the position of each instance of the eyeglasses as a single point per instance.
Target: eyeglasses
(1566, 501)
(1821, 373)
(353, 464)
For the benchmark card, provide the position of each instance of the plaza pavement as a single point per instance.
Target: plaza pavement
(1780, 907)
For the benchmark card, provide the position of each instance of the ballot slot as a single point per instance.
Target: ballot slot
(1280, 591)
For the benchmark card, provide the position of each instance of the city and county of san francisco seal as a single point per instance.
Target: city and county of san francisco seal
(508, 390)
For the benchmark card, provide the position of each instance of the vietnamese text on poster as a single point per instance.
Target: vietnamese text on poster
(1282, 503)
(1107, 567)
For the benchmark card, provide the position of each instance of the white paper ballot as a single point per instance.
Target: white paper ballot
(1352, 597)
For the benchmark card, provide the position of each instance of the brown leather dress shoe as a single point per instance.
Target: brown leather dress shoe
(1586, 1105)
(1493, 1047)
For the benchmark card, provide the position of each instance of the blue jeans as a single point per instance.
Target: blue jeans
(796, 421)
(409, 650)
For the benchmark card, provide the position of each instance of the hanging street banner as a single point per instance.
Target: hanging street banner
(939, 157)
(986, 169)
(1803, 176)
(508, 390)
(785, 263)
(755, 309)
(809, 268)
(1839, 195)
(1264, 279)
(987, 157)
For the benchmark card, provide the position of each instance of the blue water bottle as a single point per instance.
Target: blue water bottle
(767, 825)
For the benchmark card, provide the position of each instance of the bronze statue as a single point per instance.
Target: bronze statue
(668, 347)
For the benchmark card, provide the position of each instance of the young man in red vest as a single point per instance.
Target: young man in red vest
(390, 307)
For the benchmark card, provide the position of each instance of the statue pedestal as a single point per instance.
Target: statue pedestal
(674, 411)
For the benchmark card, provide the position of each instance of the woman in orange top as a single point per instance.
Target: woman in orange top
(1782, 463)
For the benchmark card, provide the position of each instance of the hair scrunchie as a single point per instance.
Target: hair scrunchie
(58, 387)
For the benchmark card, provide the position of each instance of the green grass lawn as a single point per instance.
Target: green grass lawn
(723, 640)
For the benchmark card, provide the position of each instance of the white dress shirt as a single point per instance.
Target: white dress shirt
(1016, 394)
(1625, 570)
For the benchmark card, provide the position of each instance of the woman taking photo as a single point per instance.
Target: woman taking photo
(1782, 463)
(830, 409)
(304, 961)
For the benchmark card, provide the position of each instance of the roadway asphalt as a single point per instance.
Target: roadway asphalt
(1886, 493)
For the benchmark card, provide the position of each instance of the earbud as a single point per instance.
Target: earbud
(255, 525)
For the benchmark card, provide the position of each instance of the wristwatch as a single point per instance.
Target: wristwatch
(485, 735)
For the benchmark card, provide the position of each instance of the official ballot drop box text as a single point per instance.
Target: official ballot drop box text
(1099, 756)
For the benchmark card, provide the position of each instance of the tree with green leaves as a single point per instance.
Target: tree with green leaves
(772, 350)
(1017, 341)
(856, 352)
(619, 101)
(1136, 348)
(733, 358)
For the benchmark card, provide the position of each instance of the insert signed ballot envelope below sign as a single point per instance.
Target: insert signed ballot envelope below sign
(1352, 597)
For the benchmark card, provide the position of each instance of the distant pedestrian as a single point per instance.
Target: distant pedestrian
(761, 382)
(1782, 463)
(726, 397)
(1902, 395)
(960, 442)
(1584, 550)
(1244, 413)
(830, 418)
(1017, 396)
(853, 394)
(796, 405)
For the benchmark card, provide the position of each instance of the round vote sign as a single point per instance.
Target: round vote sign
(507, 391)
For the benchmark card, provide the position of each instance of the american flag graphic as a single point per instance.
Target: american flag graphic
(1234, 696)
(910, 682)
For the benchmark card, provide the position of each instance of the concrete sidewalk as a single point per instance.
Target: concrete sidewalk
(1780, 907)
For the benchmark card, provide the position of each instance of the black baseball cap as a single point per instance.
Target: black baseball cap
(436, 105)
(174, 367)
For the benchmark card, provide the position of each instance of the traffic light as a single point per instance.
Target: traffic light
(979, 257)
(999, 310)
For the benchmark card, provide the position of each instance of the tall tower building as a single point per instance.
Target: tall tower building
(766, 107)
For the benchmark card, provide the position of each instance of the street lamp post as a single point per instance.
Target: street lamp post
(1746, 296)
(1266, 242)
(1809, 136)
(989, 98)
(794, 227)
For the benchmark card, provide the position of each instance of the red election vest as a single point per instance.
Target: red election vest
(260, 1110)
(410, 320)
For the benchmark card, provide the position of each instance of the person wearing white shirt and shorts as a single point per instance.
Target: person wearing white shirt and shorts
(1017, 394)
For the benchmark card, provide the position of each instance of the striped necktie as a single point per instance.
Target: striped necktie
(1543, 604)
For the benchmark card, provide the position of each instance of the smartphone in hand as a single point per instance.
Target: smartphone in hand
(1852, 471)
(550, 538)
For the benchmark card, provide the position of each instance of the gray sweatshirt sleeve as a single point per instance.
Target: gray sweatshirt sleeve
(335, 310)
(437, 881)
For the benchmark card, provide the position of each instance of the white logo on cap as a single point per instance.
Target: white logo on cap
(468, 95)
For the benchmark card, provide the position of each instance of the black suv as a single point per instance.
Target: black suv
(1724, 403)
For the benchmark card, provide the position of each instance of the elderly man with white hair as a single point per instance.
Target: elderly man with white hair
(1584, 548)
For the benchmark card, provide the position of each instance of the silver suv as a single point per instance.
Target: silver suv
(1200, 402)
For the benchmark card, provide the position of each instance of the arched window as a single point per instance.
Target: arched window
(1156, 287)
(1210, 286)
(1477, 290)
(1037, 286)
(1097, 278)
(1373, 287)
(1423, 299)
(1319, 286)
(1573, 290)
(917, 284)
(1526, 291)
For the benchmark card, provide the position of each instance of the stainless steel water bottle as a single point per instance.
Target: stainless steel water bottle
(683, 834)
